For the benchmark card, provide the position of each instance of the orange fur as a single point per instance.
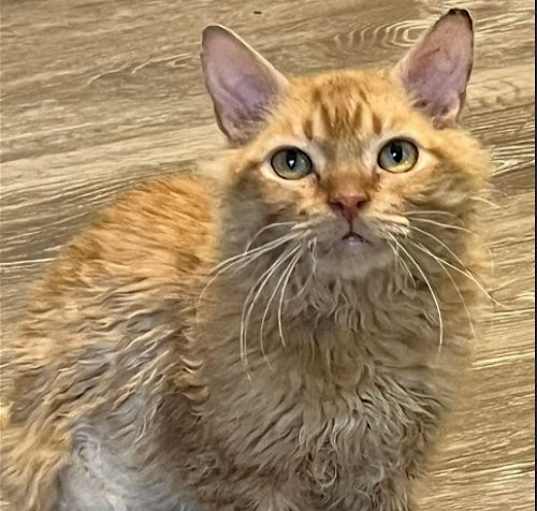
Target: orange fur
(133, 359)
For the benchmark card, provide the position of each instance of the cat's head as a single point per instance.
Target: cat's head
(342, 164)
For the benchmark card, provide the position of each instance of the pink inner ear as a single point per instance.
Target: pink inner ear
(436, 71)
(241, 83)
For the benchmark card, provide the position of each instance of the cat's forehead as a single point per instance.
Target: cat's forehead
(346, 105)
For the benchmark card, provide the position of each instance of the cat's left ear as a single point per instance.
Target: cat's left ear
(242, 84)
(436, 71)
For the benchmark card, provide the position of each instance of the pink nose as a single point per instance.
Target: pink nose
(348, 205)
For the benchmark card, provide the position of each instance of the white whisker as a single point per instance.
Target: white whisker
(440, 242)
(269, 302)
(252, 297)
(393, 218)
(266, 228)
(418, 212)
(467, 274)
(460, 295)
(289, 271)
(258, 250)
(312, 247)
(243, 260)
(485, 201)
(402, 262)
(431, 290)
(443, 225)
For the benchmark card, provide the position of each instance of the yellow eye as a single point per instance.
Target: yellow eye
(291, 163)
(398, 156)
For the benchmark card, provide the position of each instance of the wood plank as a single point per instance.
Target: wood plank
(98, 95)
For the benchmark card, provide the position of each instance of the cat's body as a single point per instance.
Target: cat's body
(137, 356)
(141, 379)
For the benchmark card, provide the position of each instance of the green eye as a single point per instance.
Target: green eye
(291, 163)
(398, 156)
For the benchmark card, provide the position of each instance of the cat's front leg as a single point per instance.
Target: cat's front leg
(255, 494)
(389, 495)
(278, 500)
(31, 459)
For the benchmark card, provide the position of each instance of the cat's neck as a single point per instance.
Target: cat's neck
(317, 317)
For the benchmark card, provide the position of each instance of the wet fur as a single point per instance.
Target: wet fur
(123, 389)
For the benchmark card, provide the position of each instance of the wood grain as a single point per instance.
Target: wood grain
(97, 95)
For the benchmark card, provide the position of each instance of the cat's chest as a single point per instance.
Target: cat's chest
(325, 404)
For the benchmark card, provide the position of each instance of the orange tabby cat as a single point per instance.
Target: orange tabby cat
(283, 331)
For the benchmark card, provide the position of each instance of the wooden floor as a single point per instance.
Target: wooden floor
(99, 94)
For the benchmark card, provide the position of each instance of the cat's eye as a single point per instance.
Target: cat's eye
(291, 163)
(398, 155)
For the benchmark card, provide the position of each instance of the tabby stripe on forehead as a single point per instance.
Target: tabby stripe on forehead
(322, 123)
(377, 123)
(364, 107)
(325, 118)
(363, 97)
(357, 117)
(307, 128)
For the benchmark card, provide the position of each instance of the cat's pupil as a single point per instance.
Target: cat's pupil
(291, 159)
(396, 150)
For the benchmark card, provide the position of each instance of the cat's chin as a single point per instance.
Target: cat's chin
(352, 257)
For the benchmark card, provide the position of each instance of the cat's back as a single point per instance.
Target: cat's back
(162, 231)
(162, 226)
(124, 285)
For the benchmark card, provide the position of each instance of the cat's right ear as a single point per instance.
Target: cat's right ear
(242, 84)
(436, 71)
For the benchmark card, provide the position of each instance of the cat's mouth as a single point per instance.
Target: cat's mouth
(350, 240)
(349, 251)
(353, 238)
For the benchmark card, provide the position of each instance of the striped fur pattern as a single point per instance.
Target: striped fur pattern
(206, 346)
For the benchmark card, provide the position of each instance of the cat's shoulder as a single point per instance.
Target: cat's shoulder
(179, 203)
(163, 227)
(173, 196)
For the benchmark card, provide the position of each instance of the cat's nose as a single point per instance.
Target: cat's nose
(348, 205)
